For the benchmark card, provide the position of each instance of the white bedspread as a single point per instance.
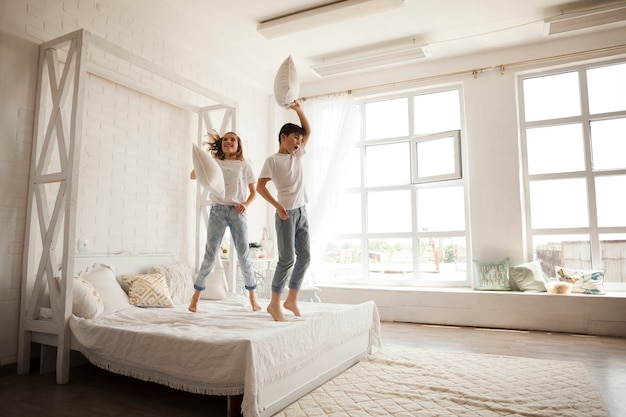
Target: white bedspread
(224, 348)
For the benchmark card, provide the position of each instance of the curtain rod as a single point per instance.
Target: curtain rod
(473, 72)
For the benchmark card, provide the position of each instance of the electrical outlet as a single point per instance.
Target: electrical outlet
(82, 245)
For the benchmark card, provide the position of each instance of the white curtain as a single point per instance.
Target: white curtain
(334, 127)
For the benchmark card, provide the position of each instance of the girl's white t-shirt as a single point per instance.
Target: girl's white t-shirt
(285, 171)
(237, 176)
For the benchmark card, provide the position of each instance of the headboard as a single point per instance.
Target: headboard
(124, 263)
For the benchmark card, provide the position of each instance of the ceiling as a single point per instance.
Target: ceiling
(226, 31)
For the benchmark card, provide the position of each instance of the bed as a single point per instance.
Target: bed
(225, 348)
(265, 370)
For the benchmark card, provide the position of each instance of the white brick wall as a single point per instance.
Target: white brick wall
(134, 189)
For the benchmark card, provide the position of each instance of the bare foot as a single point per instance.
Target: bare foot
(292, 306)
(253, 303)
(193, 306)
(276, 312)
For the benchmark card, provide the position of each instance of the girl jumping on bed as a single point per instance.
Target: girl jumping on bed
(239, 185)
(292, 227)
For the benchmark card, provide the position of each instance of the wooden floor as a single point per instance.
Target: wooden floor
(94, 392)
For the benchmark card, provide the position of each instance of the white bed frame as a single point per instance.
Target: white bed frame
(53, 187)
(51, 231)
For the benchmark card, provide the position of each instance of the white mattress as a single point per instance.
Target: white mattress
(224, 348)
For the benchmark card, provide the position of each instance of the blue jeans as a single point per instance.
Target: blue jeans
(293, 246)
(219, 218)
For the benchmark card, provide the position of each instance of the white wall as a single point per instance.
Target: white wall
(134, 189)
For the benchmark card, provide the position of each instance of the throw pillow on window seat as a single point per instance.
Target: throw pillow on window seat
(491, 276)
(585, 281)
(529, 277)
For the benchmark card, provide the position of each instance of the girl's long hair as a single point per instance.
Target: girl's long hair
(215, 145)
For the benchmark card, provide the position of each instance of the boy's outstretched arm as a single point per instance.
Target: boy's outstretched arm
(304, 122)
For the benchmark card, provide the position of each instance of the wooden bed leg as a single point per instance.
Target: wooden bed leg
(233, 407)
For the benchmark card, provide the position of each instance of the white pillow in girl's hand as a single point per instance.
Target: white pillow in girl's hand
(286, 83)
(208, 172)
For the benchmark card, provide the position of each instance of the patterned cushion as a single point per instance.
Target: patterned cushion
(148, 290)
(584, 281)
(179, 278)
(491, 276)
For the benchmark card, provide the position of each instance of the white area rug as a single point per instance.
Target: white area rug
(403, 381)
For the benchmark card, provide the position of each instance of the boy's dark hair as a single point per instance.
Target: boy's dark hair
(288, 129)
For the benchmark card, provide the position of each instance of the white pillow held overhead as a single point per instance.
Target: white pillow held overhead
(208, 172)
(286, 83)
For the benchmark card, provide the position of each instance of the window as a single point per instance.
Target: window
(573, 132)
(403, 219)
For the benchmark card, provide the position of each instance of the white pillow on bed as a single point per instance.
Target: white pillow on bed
(86, 302)
(148, 290)
(216, 286)
(102, 278)
(208, 172)
(286, 83)
(179, 278)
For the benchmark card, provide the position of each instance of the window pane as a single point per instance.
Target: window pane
(347, 218)
(568, 251)
(558, 203)
(555, 149)
(390, 259)
(551, 96)
(607, 89)
(443, 259)
(440, 209)
(352, 169)
(437, 112)
(608, 144)
(387, 119)
(342, 261)
(389, 211)
(388, 164)
(610, 201)
(436, 157)
(614, 257)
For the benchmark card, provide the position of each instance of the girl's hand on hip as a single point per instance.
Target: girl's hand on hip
(240, 208)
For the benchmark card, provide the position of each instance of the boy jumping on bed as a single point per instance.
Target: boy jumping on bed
(292, 227)
(229, 211)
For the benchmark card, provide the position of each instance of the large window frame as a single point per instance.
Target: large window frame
(451, 140)
(585, 174)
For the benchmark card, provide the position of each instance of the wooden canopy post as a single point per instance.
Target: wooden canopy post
(53, 181)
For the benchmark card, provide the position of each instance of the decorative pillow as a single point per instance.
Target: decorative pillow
(179, 280)
(529, 277)
(583, 281)
(102, 278)
(148, 290)
(216, 286)
(286, 83)
(208, 172)
(491, 276)
(86, 301)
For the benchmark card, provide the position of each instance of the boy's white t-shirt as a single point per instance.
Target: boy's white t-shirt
(285, 171)
(237, 176)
